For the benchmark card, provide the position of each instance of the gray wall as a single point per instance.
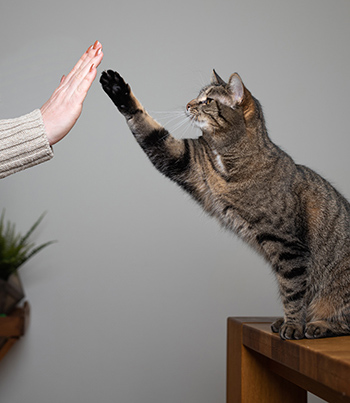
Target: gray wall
(131, 304)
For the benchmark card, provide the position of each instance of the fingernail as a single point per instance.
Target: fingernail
(89, 48)
(96, 44)
(98, 51)
(92, 67)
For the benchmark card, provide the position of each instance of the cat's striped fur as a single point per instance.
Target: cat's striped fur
(287, 212)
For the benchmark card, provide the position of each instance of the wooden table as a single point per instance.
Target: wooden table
(263, 368)
(12, 327)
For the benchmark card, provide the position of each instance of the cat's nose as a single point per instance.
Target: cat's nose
(189, 105)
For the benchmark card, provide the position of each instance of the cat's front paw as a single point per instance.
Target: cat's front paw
(118, 90)
(291, 331)
(276, 325)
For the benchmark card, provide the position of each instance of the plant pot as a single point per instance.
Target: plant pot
(11, 293)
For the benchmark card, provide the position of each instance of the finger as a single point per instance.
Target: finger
(98, 57)
(78, 65)
(85, 69)
(69, 85)
(97, 45)
(81, 91)
(83, 81)
(91, 55)
(85, 59)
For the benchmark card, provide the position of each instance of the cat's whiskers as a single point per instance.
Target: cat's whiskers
(182, 122)
(191, 124)
(175, 120)
(167, 116)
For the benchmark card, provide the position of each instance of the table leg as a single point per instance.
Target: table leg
(249, 379)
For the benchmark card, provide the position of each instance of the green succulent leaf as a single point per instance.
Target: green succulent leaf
(16, 249)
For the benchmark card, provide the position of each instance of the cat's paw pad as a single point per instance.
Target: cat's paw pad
(276, 325)
(116, 88)
(291, 331)
(315, 330)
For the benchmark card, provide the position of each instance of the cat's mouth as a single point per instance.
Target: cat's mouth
(195, 119)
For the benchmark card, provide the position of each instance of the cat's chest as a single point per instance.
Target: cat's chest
(230, 203)
(219, 163)
(242, 206)
(235, 196)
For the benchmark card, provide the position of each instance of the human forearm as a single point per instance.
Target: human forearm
(23, 143)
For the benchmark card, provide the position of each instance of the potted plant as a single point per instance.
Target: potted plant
(15, 250)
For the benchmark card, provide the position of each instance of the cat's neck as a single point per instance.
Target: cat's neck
(252, 150)
(252, 141)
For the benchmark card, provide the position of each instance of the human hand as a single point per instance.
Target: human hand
(64, 107)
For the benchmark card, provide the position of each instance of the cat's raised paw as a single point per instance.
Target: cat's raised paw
(117, 89)
(291, 331)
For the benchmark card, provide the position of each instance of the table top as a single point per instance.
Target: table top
(325, 360)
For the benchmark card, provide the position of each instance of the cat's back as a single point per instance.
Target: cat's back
(325, 212)
(313, 186)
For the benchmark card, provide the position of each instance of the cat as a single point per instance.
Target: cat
(292, 216)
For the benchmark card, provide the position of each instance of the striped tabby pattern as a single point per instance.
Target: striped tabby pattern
(293, 217)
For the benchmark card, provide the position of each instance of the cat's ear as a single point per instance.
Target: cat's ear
(216, 79)
(237, 88)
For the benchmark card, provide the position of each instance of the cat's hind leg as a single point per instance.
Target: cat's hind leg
(319, 328)
(325, 328)
(327, 317)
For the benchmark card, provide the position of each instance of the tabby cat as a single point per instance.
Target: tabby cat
(287, 212)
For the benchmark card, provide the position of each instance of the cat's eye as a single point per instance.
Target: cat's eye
(207, 101)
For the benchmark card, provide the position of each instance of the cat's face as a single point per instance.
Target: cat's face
(216, 109)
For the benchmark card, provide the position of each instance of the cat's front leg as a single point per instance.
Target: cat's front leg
(290, 261)
(170, 156)
(288, 330)
(276, 325)
(293, 290)
(139, 121)
(120, 93)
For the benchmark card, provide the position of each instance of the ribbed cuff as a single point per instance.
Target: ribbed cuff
(23, 143)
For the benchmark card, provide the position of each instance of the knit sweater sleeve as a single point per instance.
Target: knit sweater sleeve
(23, 143)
